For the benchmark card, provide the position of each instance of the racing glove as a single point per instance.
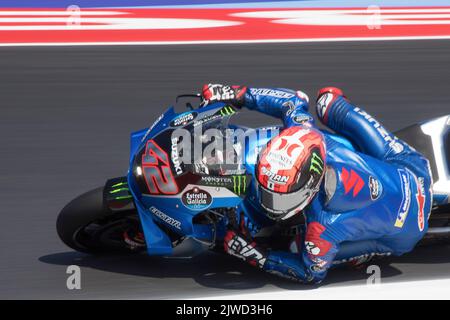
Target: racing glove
(240, 244)
(234, 95)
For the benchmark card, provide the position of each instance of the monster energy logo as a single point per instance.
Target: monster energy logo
(316, 164)
(119, 187)
(227, 111)
(239, 182)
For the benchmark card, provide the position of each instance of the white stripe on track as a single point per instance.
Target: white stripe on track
(349, 39)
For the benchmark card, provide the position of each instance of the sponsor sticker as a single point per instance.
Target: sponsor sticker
(311, 248)
(164, 217)
(316, 164)
(420, 197)
(375, 188)
(362, 258)
(227, 111)
(175, 157)
(196, 199)
(272, 93)
(152, 126)
(395, 145)
(323, 104)
(275, 178)
(406, 198)
(352, 181)
(301, 119)
(236, 183)
(183, 119)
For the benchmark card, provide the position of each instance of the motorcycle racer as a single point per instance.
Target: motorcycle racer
(357, 204)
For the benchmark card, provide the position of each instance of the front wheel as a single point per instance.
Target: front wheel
(87, 225)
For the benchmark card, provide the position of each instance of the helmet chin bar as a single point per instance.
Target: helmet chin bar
(288, 203)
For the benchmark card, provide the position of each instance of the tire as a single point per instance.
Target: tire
(88, 210)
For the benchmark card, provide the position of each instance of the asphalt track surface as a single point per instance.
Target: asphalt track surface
(66, 115)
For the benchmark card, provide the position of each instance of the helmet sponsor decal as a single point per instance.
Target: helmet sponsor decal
(273, 177)
(285, 150)
(406, 199)
(196, 199)
(317, 164)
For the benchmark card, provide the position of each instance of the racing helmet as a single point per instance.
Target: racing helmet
(290, 170)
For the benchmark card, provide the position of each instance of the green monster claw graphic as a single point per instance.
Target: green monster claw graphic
(239, 182)
(121, 188)
(316, 164)
(123, 197)
(119, 184)
(227, 111)
(118, 190)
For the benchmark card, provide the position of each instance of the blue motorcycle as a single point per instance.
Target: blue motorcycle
(167, 207)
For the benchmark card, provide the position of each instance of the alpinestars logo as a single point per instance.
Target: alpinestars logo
(240, 248)
(323, 104)
(316, 164)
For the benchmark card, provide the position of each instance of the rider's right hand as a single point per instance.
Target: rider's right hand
(234, 95)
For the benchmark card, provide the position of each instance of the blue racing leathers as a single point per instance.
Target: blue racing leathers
(375, 199)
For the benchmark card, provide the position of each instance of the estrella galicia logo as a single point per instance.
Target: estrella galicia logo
(183, 119)
(375, 188)
(196, 199)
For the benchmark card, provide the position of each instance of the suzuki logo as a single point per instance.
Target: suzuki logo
(352, 181)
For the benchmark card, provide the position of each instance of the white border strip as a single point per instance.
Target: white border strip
(415, 290)
(350, 39)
